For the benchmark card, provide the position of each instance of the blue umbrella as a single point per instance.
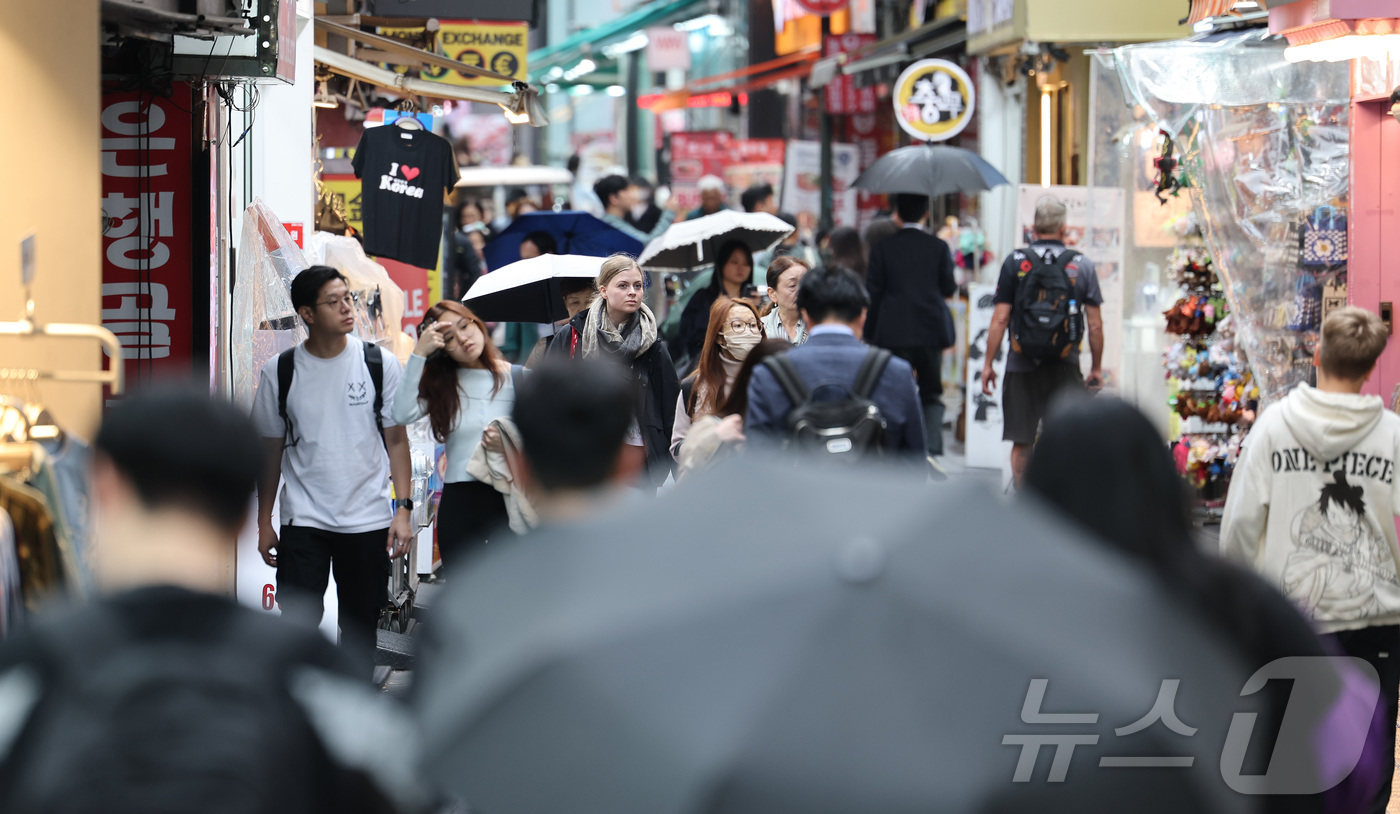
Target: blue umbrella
(577, 233)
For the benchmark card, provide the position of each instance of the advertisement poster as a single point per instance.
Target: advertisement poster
(496, 47)
(984, 447)
(802, 182)
(417, 297)
(147, 291)
(842, 95)
(1094, 227)
(754, 160)
(693, 156)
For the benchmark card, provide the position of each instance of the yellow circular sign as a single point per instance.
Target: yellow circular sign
(934, 100)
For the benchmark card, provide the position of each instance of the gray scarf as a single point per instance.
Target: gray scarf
(636, 337)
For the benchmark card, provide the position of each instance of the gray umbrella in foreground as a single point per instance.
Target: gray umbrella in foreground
(929, 169)
(851, 643)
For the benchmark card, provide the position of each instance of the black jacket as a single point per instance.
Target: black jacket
(658, 389)
(695, 320)
(911, 273)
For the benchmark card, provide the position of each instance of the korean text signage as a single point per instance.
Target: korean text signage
(147, 291)
(822, 8)
(934, 100)
(842, 95)
(496, 47)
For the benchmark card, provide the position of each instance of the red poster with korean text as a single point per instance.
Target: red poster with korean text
(147, 274)
(414, 282)
(693, 156)
(842, 95)
(754, 161)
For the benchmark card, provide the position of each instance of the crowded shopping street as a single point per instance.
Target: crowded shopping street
(699, 406)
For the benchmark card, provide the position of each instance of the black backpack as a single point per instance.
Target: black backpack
(1042, 324)
(286, 368)
(160, 726)
(847, 429)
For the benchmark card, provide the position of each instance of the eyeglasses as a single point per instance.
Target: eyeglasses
(335, 303)
(739, 326)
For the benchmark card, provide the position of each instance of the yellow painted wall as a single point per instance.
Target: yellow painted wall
(1104, 20)
(51, 184)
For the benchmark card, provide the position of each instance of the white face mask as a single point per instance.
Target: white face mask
(639, 210)
(739, 345)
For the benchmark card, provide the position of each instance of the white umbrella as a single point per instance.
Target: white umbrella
(692, 245)
(528, 290)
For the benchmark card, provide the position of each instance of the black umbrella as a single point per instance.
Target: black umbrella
(932, 170)
(868, 646)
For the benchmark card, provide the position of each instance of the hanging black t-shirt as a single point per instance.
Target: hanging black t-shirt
(404, 173)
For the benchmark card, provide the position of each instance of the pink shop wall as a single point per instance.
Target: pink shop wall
(1373, 267)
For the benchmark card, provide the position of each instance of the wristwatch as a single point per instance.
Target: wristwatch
(404, 504)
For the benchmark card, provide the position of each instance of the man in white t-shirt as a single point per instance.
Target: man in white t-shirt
(335, 468)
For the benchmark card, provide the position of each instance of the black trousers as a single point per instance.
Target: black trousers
(928, 371)
(1381, 647)
(305, 560)
(471, 513)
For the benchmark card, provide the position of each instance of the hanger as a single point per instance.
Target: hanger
(408, 121)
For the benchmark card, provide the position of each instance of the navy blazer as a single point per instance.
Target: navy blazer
(910, 275)
(834, 358)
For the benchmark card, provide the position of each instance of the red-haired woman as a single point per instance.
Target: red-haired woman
(458, 379)
(733, 331)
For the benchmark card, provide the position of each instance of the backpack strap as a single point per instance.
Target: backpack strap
(286, 367)
(788, 378)
(374, 360)
(871, 369)
(687, 387)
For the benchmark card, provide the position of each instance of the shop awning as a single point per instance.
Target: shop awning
(592, 40)
(376, 75)
(917, 43)
(390, 50)
(726, 85)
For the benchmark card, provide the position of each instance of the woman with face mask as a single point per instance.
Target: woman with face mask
(732, 278)
(458, 379)
(620, 327)
(733, 331)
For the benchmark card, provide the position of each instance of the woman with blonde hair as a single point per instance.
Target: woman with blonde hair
(619, 326)
(458, 379)
(733, 331)
(782, 319)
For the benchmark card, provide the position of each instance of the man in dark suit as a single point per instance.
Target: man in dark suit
(910, 275)
(834, 304)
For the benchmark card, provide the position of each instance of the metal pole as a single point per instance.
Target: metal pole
(633, 81)
(826, 214)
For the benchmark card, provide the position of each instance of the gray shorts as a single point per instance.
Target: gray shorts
(1026, 396)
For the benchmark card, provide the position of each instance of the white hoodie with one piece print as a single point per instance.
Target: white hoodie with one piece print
(1312, 507)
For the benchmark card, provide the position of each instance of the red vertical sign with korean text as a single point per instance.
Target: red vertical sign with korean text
(147, 286)
(842, 95)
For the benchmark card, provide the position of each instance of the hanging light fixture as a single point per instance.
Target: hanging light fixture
(524, 107)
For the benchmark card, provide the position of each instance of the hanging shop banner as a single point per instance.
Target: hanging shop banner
(934, 100)
(497, 47)
(863, 16)
(1094, 226)
(754, 161)
(822, 8)
(874, 135)
(147, 290)
(668, 49)
(693, 156)
(802, 182)
(842, 95)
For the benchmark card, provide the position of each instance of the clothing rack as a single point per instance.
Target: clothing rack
(113, 375)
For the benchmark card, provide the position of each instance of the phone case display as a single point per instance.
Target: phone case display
(1212, 396)
(264, 322)
(1264, 144)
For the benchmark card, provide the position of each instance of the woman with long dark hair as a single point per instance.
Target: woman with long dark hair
(620, 327)
(458, 379)
(1102, 464)
(847, 249)
(735, 328)
(732, 278)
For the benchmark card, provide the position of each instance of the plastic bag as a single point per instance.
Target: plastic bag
(263, 321)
